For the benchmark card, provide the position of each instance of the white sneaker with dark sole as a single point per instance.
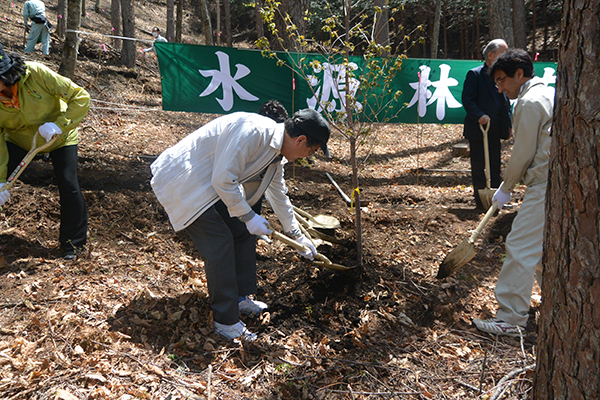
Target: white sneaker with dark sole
(249, 306)
(235, 331)
(498, 327)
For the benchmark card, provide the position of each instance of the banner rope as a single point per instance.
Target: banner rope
(110, 36)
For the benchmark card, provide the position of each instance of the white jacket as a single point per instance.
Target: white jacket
(214, 162)
(532, 121)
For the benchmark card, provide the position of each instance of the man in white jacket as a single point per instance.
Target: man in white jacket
(210, 184)
(532, 119)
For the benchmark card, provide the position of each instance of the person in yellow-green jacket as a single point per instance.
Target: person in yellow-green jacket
(34, 98)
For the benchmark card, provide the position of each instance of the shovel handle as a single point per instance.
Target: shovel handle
(486, 153)
(484, 221)
(301, 247)
(27, 159)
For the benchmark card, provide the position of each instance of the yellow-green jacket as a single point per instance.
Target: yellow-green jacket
(44, 96)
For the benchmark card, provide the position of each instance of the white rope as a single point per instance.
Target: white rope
(126, 109)
(110, 36)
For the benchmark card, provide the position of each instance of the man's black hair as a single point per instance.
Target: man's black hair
(294, 131)
(274, 110)
(510, 61)
(14, 74)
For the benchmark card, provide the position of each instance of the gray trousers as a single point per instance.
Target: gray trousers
(229, 254)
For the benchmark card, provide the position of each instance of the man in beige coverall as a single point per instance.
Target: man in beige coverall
(532, 118)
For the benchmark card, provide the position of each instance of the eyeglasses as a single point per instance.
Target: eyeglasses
(500, 81)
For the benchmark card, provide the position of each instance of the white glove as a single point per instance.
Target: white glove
(4, 195)
(258, 226)
(48, 130)
(308, 243)
(501, 197)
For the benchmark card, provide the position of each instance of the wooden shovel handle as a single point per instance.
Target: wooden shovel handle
(484, 221)
(27, 159)
(486, 153)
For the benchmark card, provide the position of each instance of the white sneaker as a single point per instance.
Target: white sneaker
(237, 330)
(249, 306)
(498, 327)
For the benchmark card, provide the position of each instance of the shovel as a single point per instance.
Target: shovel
(464, 252)
(318, 222)
(27, 159)
(321, 260)
(485, 195)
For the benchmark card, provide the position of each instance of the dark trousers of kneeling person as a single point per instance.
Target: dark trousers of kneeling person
(73, 211)
(229, 254)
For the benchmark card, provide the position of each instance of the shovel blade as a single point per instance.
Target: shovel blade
(462, 254)
(486, 195)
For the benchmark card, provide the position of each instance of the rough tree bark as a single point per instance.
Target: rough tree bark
(170, 34)
(569, 343)
(501, 25)
(519, 24)
(206, 25)
(381, 29)
(69, 54)
(295, 9)
(179, 21)
(435, 39)
(226, 11)
(260, 27)
(61, 24)
(115, 21)
(128, 53)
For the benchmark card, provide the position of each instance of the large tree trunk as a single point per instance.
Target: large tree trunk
(69, 54)
(568, 343)
(170, 34)
(381, 29)
(115, 21)
(61, 24)
(179, 21)
(128, 53)
(519, 24)
(227, 13)
(435, 40)
(260, 27)
(206, 25)
(295, 9)
(501, 25)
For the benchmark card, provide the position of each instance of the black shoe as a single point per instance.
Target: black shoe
(73, 253)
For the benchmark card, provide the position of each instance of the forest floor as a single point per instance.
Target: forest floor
(130, 317)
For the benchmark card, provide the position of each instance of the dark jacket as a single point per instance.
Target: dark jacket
(480, 97)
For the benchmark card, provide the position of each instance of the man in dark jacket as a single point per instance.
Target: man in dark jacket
(484, 105)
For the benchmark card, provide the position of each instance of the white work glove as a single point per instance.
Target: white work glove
(4, 195)
(48, 130)
(308, 243)
(501, 197)
(258, 226)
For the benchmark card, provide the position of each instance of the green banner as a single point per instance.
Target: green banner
(222, 80)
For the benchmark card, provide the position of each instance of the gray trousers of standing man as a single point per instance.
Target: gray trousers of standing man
(229, 254)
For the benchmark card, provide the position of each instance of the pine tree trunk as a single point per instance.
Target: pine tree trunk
(436, 29)
(519, 24)
(170, 34)
(115, 21)
(260, 27)
(128, 52)
(501, 25)
(179, 21)
(206, 24)
(61, 24)
(568, 343)
(69, 54)
(227, 23)
(381, 30)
